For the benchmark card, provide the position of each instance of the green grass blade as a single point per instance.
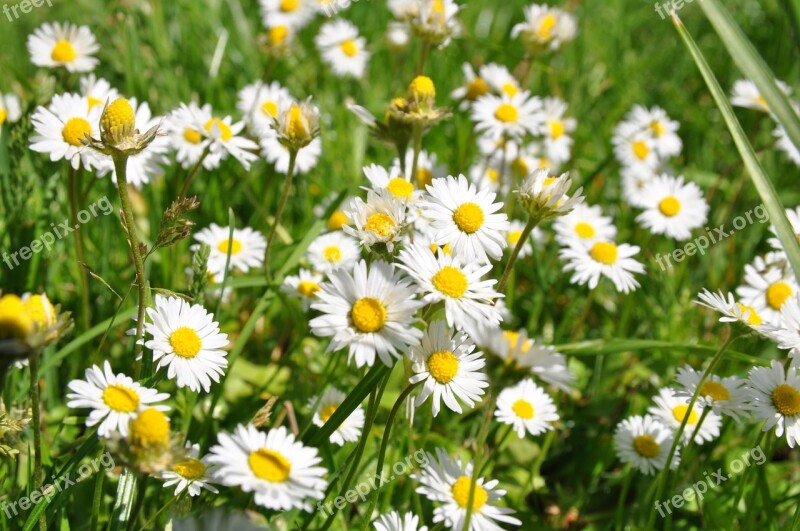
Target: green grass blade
(763, 185)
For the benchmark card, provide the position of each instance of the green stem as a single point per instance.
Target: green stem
(38, 477)
(121, 165)
(417, 146)
(526, 232)
(194, 171)
(73, 216)
(287, 187)
(423, 57)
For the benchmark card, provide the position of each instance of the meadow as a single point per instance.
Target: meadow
(281, 323)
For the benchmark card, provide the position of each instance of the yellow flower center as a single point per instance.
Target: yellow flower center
(492, 174)
(118, 120)
(443, 366)
(399, 187)
(523, 409)
(15, 322)
(786, 400)
(225, 132)
(337, 220)
(185, 342)
(752, 317)
(327, 412)
(514, 236)
(506, 113)
(368, 315)
(477, 88)
(349, 48)
(657, 128)
(306, 288)
(461, 494)
(556, 129)
(679, 413)
(451, 282)
(468, 217)
(190, 468)
(63, 52)
(422, 88)
(3, 116)
(270, 108)
(715, 391)
(584, 230)
(287, 6)
(192, 136)
(646, 446)
(278, 34)
(296, 128)
(235, 247)
(424, 177)
(777, 294)
(670, 206)
(151, 427)
(380, 224)
(332, 254)
(75, 130)
(545, 31)
(510, 89)
(640, 149)
(40, 310)
(762, 102)
(121, 399)
(269, 465)
(512, 338)
(604, 252)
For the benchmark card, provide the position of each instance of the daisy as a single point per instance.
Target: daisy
(473, 88)
(767, 291)
(507, 116)
(185, 127)
(634, 182)
(447, 481)
(369, 310)
(333, 251)
(673, 207)
(350, 428)
(294, 14)
(304, 285)
(794, 221)
(645, 443)
(659, 125)
(400, 186)
(435, 21)
(342, 48)
(745, 94)
(259, 104)
(635, 149)
(113, 399)
(441, 277)
(54, 45)
(187, 341)
(297, 123)
(544, 196)
(379, 220)
(785, 144)
(603, 258)
(671, 409)
(449, 366)
(62, 127)
(466, 218)
(500, 80)
(394, 521)
(725, 396)
(527, 408)
(557, 130)
(545, 26)
(98, 91)
(775, 399)
(246, 248)
(586, 223)
(191, 473)
(516, 349)
(280, 470)
(10, 110)
(731, 310)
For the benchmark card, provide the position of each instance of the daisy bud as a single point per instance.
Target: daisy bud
(545, 197)
(15, 322)
(422, 92)
(297, 124)
(117, 122)
(277, 35)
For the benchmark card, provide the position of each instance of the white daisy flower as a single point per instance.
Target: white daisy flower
(745, 94)
(590, 261)
(98, 91)
(447, 363)
(113, 399)
(500, 80)
(304, 285)
(515, 348)
(447, 481)
(369, 310)
(658, 124)
(527, 408)
(546, 26)
(294, 14)
(435, 21)
(637, 148)
(247, 247)
(725, 396)
(467, 298)
(671, 409)
(62, 127)
(259, 103)
(673, 207)
(557, 130)
(544, 196)
(775, 399)
(634, 182)
(645, 443)
(332, 251)
(280, 470)
(191, 473)
(585, 223)
(187, 341)
(466, 218)
(507, 116)
(767, 291)
(731, 310)
(54, 45)
(342, 48)
(10, 109)
(473, 88)
(185, 127)
(400, 186)
(381, 219)
(350, 429)
(394, 521)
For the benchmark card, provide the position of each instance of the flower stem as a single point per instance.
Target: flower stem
(193, 171)
(417, 139)
(74, 190)
(120, 165)
(38, 477)
(287, 187)
(526, 232)
(423, 56)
